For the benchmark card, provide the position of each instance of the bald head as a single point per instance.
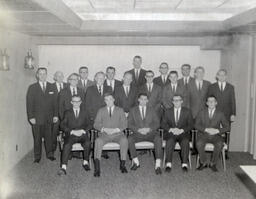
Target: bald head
(58, 76)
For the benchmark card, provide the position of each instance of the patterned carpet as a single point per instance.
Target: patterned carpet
(40, 181)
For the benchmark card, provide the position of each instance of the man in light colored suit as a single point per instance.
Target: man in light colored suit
(172, 89)
(111, 122)
(154, 92)
(144, 123)
(84, 82)
(198, 91)
(163, 79)
(211, 124)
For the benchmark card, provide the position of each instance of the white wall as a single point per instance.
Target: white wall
(68, 58)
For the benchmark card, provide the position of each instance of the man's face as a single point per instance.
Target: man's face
(143, 100)
(83, 73)
(100, 78)
(177, 101)
(127, 79)
(42, 75)
(211, 102)
(222, 76)
(149, 77)
(199, 74)
(185, 71)
(59, 77)
(76, 102)
(109, 100)
(173, 78)
(137, 63)
(163, 69)
(73, 80)
(110, 74)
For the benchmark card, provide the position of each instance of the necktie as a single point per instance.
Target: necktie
(73, 92)
(177, 117)
(149, 88)
(221, 87)
(164, 80)
(143, 112)
(199, 86)
(137, 75)
(61, 86)
(110, 112)
(111, 85)
(44, 87)
(100, 91)
(84, 83)
(211, 114)
(127, 91)
(76, 113)
(173, 88)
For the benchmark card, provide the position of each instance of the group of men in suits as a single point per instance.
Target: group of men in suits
(141, 102)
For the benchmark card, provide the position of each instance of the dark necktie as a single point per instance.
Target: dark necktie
(143, 112)
(177, 117)
(84, 83)
(221, 87)
(164, 80)
(110, 111)
(211, 114)
(127, 91)
(73, 92)
(173, 88)
(199, 86)
(137, 75)
(100, 91)
(149, 88)
(76, 113)
(44, 87)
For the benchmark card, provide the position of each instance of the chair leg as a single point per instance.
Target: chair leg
(164, 157)
(197, 160)
(224, 159)
(189, 159)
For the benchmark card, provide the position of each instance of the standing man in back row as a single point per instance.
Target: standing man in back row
(84, 82)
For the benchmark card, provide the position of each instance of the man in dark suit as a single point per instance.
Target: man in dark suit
(75, 126)
(177, 123)
(211, 124)
(163, 79)
(198, 91)
(110, 80)
(66, 94)
(126, 94)
(42, 113)
(111, 122)
(94, 98)
(153, 91)
(225, 95)
(144, 123)
(138, 73)
(186, 78)
(172, 89)
(84, 82)
(59, 85)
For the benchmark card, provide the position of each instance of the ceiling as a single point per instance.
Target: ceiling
(128, 17)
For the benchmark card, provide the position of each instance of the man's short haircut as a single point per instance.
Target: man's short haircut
(150, 71)
(73, 74)
(199, 68)
(177, 95)
(142, 94)
(109, 94)
(188, 65)
(222, 70)
(163, 63)
(173, 72)
(78, 96)
(111, 68)
(41, 68)
(137, 57)
(55, 74)
(99, 73)
(127, 72)
(211, 96)
(83, 67)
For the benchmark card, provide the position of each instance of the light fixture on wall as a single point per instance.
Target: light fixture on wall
(4, 61)
(29, 61)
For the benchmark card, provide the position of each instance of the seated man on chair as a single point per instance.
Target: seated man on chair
(111, 122)
(144, 123)
(177, 123)
(211, 124)
(75, 126)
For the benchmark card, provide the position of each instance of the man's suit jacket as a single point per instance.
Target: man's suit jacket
(55, 86)
(42, 106)
(65, 97)
(185, 121)
(218, 121)
(70, 122)
(81, 86)
(141, 80)
(94, 101)
(158, 80)
(117, 119)
(226, 99)
(181, 81)
(197, 99)
(123, 101)
(154, 97)
(168, 95)
(117, 84)
(151, 120)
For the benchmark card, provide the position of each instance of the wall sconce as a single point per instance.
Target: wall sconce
(29, 61)
(4, 61)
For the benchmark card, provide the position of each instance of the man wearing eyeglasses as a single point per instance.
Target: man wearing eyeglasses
(177, 123)
(76, 126)
(163, 79)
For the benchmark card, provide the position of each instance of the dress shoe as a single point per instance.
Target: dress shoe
(62, 172)
(86, 167)
(202, 166)
(168, 169)
(37, 160)
(185, 169)
(96, 168)
(122, 167)
(158, 171)
(52, 158)
(213, 168)
(135, 167)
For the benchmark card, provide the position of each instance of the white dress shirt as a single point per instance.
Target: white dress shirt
(111, 83)
(84, 82)
(223, 85)
(126, 89)
(76, 112)
(150, 87)
(143, 115)
(164, 78)
(199, 83)
(177, 116)
(174, 86)
(73, 89)
(43, 85)
(211, 112)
